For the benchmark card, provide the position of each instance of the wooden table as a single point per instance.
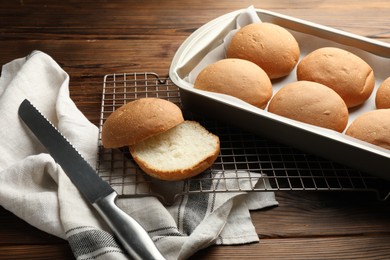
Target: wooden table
(95, 38)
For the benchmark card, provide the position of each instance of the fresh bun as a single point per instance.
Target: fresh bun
(139, 120)
(311, 103)
(179, 153)
(344, 72)
(372, 127)
(270, 46)
(382, 99)
(161, 142)
(239, 78)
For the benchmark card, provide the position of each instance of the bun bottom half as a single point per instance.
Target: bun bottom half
(179, 153)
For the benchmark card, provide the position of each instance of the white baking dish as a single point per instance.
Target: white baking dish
(208, 39)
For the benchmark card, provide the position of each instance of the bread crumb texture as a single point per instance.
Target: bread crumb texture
(181, 152)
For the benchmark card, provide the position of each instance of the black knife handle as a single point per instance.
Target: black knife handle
(130, 233)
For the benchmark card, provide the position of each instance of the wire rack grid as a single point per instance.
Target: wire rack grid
(246, 162)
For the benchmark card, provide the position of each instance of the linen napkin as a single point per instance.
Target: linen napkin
(35, 188)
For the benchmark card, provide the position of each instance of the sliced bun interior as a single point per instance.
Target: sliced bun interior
(161, 142)
(179, 153)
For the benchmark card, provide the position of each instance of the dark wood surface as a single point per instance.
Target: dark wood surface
(92, 38)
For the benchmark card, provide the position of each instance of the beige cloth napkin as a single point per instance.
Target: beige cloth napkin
(35, 188)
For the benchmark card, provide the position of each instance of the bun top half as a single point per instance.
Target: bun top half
(139, 120)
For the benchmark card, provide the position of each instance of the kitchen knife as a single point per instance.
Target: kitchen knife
(99, 193)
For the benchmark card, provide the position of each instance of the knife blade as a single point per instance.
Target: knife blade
(96, 191)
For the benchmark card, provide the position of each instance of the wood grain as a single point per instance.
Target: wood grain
(90, 39)
(304, 248)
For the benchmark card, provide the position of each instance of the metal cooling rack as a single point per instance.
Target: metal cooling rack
(246, 162)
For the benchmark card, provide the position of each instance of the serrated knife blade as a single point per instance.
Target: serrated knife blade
(99, 193)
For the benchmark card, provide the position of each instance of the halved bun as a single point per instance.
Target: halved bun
(139, 120)
(179, 153)
(161, 142)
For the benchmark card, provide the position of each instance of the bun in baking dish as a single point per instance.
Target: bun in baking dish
(236, 77)
(139, 120)
(382, 98)
(311, 103)
(344, 72)
(179, 153)
(372, 127)
(270, 46)
(161, 142)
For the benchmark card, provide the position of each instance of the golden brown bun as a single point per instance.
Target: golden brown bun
(344, 72)
(179, 153)
(270, 46)
(161, 142)
(239, 78)
(311, 103)
(139, 120)
(382, 99)
(372, 127)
